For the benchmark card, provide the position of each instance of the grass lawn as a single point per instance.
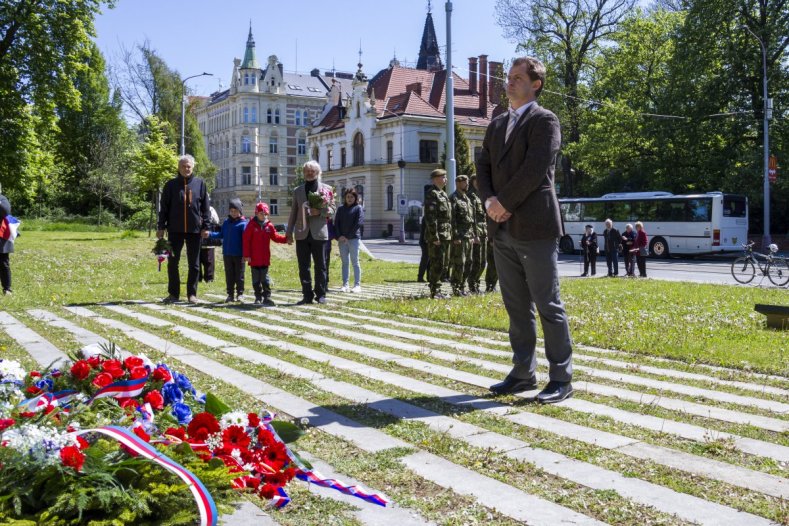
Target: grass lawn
(693, 322)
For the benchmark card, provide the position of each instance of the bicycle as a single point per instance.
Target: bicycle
(776, 268)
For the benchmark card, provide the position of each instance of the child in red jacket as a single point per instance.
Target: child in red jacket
(257, 252)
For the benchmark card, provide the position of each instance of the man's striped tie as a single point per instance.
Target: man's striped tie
(511, 124)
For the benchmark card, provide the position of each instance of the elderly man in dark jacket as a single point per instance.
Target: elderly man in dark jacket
(184, 212)
(515, 176)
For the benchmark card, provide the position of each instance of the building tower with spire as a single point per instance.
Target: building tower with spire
(429, 53)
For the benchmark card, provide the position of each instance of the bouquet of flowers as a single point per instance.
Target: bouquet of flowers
(162, 250)
(106, 438)
(317, 200)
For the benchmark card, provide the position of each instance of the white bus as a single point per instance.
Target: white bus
(676, 224)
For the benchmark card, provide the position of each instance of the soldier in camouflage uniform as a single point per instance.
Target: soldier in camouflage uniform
(479, 246)
(491, 276)
(464, 231)
(438, 230)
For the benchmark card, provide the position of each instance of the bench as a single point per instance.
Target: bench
(777, 315)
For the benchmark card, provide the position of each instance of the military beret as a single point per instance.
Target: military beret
(472, 177)
(438, 172)
(461, 177)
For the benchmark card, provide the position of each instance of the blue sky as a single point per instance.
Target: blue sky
(201, 35)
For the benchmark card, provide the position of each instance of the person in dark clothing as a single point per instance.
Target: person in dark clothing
(208, 250)
(589, 249)
(308, 226)
(642, 246)
(613, 244)
(327, 247)
(232, 234)
(424, 261)
(347, 224)
(185, 215)
(8, 232)
(628, 244)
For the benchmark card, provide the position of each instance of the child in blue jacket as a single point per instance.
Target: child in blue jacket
(231, 234)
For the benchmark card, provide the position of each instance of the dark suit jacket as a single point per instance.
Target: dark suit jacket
(520, 173)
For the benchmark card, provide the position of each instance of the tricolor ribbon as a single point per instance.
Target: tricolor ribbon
(45, 399)
(205, 503)
(123, 389)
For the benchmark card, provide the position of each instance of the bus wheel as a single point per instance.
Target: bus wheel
(566, 245)
(659, 247)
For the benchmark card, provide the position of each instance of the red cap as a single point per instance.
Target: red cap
(261, 207)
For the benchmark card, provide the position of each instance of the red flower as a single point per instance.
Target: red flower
(267, 491)
(246, 481)
(202, 425)
(254, 419)
(27, 414)
(141, 433)
(290, 473)
(179, 433)
(132, 361)
(94, 361)
(83, 444)
(49, 408)
(276, 456)
(102, 380)
(80, 370)
(155, 398)
(33, 390)
(128, 403)
(161, 373)
(5, 423)
(35, 374)
(138, 372)
(265, 438)
(276, 479)
(72, 457)
(114, 368)
(235, 436)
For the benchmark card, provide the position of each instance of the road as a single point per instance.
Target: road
(713, 269)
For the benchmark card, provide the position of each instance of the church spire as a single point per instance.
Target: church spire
(250, 61)
(429, 54)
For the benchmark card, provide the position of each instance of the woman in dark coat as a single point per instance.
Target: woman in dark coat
(628, 249)
(589, 250)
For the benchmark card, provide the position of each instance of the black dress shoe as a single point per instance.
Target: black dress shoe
(555, 392)
(512, 385)
(304, 301)
(322, 300)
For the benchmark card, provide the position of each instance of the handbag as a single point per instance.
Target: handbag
(643, 251)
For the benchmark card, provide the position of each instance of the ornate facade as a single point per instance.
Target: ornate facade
(256, 131)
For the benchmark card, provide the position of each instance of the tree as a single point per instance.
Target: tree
(567, 35)
(43, 44)
(154, 162)
(463, 162)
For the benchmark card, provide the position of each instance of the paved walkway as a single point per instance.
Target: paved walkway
(670, 417)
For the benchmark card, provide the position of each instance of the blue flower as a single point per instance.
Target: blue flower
(184, 383)
(172, 394)
(182, 412)
(45, 384)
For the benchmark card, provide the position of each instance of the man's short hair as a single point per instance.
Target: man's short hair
(534, 68)
(187, 157)
(312, 165)
(438, 172)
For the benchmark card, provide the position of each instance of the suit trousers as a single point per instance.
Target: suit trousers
(207, 264)
(612, 260)
(529, 279)
(306, 250)
(177, 241)
(5, 270)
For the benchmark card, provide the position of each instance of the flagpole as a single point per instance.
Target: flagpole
(450, 107)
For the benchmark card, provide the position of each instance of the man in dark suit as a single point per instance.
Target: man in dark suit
(516, 182)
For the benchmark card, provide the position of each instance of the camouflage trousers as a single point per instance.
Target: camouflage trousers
(491, 276)
(479, 255)
(461, 264)
(438, 256)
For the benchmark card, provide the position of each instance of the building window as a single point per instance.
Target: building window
(273, 207)
(358, 149)
(276, 116)
(246, 175)
(273, 176)
(268, 116)
(389, 152)
(252, 79)
(329, 158)
(246, 144)
(246, 79)
(389, 197)
(272, 144)
(342, 157)
(246, 115)
(358, 110)
(254, 114)
(235, 181)
(315, 154)
(298, 118)
(302, 146)
(428, 151)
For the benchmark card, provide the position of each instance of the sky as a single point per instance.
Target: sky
(195, 36)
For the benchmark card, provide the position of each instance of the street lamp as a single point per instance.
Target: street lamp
(766, 240)
(401, 164)
(183, 106)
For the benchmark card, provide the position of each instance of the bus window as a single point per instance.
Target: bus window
(699, 210)
(671, 211)
(619, 211)
(734, 206)
(645, 211)
(571, 211)
(594, 211)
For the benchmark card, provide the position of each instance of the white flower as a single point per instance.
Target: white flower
(305, 421)
(11, 371)
(42, 443)
(234, 418)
